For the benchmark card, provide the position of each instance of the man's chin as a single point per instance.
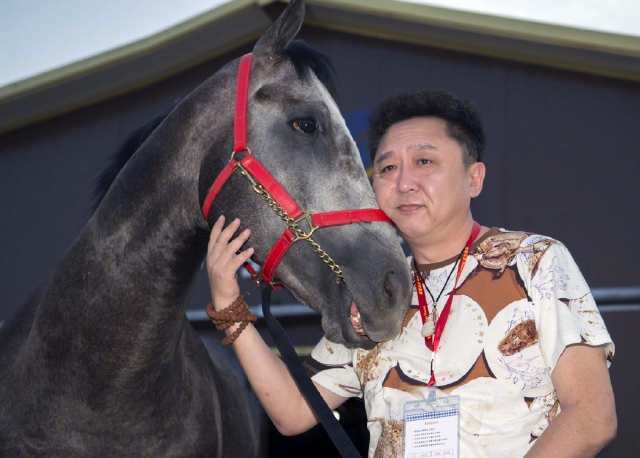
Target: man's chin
(412, 229)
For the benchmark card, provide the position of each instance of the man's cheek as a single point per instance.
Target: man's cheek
(382, 197)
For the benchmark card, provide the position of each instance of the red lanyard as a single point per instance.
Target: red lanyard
(433, 340)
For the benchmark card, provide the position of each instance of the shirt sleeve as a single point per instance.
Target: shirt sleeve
(567, 312)
(335, 372)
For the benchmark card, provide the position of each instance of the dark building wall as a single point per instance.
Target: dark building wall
(561, 153)
(48, 172)
(562, 160)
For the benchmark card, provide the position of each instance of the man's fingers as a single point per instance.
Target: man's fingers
(228, 231)
(241, 258)
(217, 249)
(222, 260)
(215, 232)
(235, 244)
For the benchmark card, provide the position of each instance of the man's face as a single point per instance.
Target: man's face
(420, 178)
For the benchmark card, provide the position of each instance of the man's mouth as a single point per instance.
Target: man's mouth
(408, 208)
(356, 320)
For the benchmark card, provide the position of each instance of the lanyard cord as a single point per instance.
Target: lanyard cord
(433, 340)
(446, 282)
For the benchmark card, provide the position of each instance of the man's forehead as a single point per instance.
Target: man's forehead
(421, 147)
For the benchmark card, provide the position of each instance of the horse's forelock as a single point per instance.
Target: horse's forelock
(305, 58)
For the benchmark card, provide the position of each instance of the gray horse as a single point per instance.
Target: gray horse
(103, 361)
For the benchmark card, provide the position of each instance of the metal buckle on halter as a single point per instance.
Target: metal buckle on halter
(243, 171)
(234, 152)
(307, 231)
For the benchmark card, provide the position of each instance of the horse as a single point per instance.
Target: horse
(103, 362)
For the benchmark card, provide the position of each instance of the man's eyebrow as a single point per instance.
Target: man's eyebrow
(417, 147)
(382, 156)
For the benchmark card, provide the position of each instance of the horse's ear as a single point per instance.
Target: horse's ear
(283, 30)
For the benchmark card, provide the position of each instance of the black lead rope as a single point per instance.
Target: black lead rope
(337, 435)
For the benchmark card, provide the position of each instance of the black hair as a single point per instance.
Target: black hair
(120, 158)
(463, 121)
(305, 58)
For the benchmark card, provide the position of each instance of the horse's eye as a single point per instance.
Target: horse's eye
(305, 125)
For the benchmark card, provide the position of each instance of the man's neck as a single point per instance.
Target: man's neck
(444, 244)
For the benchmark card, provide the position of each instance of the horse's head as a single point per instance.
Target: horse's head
(296, 130)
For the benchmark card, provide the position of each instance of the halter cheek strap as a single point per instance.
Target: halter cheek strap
(242, 100)
(301, 225)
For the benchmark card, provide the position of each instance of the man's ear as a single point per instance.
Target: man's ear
(476, 173)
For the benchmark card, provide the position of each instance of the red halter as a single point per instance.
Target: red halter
(242, 158)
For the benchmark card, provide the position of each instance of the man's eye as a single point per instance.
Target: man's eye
(425, 161)
(305, 125)
(386, 169)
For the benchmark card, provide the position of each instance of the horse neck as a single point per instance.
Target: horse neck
(116, 299)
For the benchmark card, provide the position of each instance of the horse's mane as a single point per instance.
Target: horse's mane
(303, 57)
(120, 158)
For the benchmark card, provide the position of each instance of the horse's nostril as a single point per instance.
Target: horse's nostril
(392, 286)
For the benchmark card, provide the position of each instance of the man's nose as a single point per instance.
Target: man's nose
(406, 180)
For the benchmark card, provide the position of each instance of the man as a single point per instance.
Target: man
(502, 320)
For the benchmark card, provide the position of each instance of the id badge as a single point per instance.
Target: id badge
(431, 427)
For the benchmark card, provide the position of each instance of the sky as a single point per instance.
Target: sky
(40, 35)
(615, 16)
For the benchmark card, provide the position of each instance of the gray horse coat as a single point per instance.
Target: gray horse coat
(103, 362)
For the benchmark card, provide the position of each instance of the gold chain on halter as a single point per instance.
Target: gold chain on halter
(293, 224)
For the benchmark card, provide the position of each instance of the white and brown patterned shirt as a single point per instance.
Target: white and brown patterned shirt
(521, 301)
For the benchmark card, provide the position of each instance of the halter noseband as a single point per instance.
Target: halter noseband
(301, 225)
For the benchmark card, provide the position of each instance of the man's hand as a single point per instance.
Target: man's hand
(224, 260)
(267, 374)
